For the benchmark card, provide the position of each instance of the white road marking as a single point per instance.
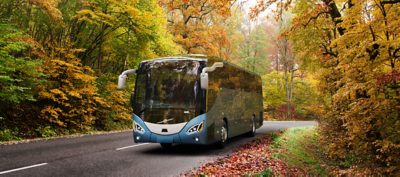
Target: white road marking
(22, 168)
(126, 147)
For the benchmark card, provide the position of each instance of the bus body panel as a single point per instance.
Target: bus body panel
(234, 95)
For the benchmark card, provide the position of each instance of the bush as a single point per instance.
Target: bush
(18, 72)
(46, 132)
(7, 135)
(69, 99)
(115, 115)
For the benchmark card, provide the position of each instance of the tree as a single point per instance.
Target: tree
(248, 42)
(357, 54)
(121, 32)
(253, 50)
(234, 27)
(196, 24)
(77, 45)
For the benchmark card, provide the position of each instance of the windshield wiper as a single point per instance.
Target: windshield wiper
(165, 121)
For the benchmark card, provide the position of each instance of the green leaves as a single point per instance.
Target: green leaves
(305, 96)
(18, 73)
(122, 32)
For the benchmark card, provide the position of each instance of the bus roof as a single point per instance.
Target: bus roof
(214, 59)
(173, 59)
(197, 57)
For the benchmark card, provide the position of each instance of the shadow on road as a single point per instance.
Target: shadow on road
(185, 149)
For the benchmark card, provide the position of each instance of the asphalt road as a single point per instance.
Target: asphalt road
(114, 155)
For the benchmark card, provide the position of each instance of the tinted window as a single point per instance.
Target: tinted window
(168, 89)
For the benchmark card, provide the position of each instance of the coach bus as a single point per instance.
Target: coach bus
(193, 100)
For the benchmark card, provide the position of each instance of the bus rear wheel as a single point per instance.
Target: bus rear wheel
(166, 145)
(252, 132)
(224, 135)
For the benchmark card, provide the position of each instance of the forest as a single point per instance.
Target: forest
(335, 61)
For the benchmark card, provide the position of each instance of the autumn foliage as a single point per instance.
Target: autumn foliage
(197, 25)
(356, 48)
(60, 60)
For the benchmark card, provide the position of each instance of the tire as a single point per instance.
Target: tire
(166, 145)
(224, 136)
(252, 132)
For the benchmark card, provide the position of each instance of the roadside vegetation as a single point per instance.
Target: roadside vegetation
(302, 148)
(299, 147)
(292, 152)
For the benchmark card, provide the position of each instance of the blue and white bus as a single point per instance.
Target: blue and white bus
(193, 100)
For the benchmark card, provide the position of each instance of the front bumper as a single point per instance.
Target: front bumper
(181, 137)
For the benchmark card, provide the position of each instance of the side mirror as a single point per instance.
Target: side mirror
(121, 81)
(204, 74)
(204, 80)
(123, 76)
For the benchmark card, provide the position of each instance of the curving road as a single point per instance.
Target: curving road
(114, 155)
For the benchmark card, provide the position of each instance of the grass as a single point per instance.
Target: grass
(299, 147)
(266, 173)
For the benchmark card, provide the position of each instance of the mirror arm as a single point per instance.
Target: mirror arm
(128, 72)
(213, 67)
(123, 76)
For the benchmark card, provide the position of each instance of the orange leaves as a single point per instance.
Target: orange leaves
(191, 24)
(249, 159)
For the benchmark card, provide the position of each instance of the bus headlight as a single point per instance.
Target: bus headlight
(137, 127)
(196, 128)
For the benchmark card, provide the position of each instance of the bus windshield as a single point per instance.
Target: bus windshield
(167, 89)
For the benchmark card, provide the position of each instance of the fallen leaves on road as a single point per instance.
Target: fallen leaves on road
(251, 158)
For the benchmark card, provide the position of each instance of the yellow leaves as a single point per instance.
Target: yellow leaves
(70, 93)
(54, 114)
(54, 95)
(58, 95)
(115, 102)
(133, 12)
(190, 24)
(103, 33)
(83, 77)
(95, 17)
(50, 7)
(75, 94)
(361, 116)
